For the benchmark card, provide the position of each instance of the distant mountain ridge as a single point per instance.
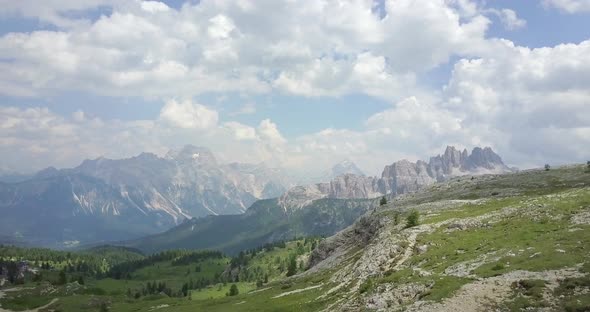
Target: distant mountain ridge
(106, 199)
(400, 177)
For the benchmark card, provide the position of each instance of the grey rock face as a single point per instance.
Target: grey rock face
(400, 177)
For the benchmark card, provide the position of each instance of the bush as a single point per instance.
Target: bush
(383, 201)
(366, 286)
(104, 307)
(233, 290)
(286, 286)
(396, 216)
(547, 167)
(532, 288)
(413, 219)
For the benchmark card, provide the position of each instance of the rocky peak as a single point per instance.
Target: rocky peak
(192, 154)
(92, 164)
(452, 157)
(346, 167)
(483, 158)
(147, 156)
(47, 172)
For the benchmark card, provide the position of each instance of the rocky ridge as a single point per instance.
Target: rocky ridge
(400, 177)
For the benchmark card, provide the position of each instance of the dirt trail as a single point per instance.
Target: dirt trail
(409, 250)
(411, 239)
(297, 291)
(479, 295)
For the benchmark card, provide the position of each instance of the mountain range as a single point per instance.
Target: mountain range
(113, 200)
(105, 199)
(319, 209)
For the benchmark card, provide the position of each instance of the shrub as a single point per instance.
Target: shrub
(547, 167)
(366, 286)
(383, 201)
(104, 307)
(413, 219)
(396, 216)
(233, 290)
(286, 286)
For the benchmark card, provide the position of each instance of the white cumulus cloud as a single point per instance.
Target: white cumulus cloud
(188, 115)
(569, 6)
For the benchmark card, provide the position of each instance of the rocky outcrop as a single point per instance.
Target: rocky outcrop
(344, 187)
(357, 235)
(453, 162)
(404, 177)
(400, 177)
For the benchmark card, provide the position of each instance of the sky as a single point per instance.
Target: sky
(297, 84)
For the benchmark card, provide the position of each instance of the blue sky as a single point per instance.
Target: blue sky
(297, 85)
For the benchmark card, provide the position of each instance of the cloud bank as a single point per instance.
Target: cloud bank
(530, 104)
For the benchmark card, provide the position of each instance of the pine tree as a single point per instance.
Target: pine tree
(292, 268)
(62, 280)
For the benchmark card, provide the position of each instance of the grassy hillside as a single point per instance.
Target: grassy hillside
(516, 242)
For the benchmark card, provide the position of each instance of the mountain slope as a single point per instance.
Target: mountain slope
(263, 223)
(478, 238)
(69, 209)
